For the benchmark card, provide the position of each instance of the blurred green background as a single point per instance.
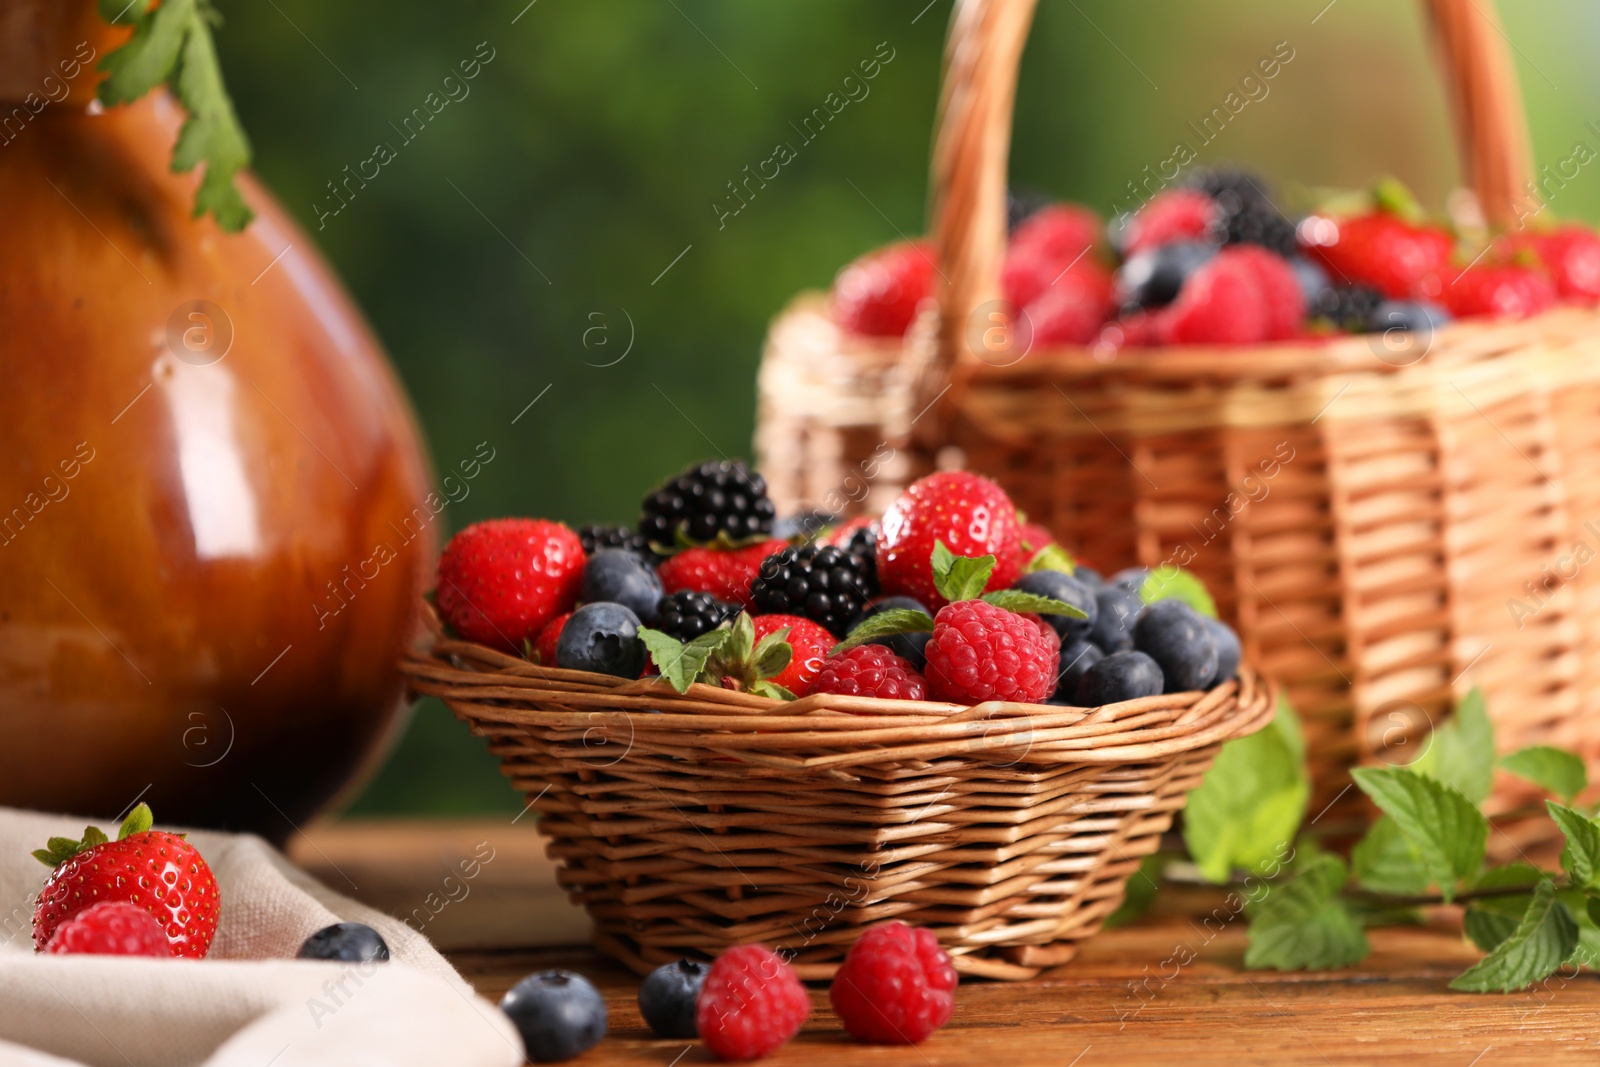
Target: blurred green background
(588, 154)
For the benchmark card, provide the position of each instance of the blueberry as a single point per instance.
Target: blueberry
(620, 576)
(559, 1014)
(1152, 278)
(1088, 576)
(1228, 651)
(1130, 578)
(1116, 608)
(1416, 315)
(1066, 588)
(345, 942)
(603, 638)
(910, 647)
(1120, 676)
(1312, 278)
(1076, 659)
(1177, 638)
(667, 998)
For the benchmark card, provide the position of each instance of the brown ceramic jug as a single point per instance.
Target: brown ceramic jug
(215, 517)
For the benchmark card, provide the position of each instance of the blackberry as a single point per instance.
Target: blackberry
(1217, 182)
(863, 544)
(687, 614)
(595, 537)
(1023, 204)
(707, 501)
(823, 583)
(1349, 307)
(1249, 215)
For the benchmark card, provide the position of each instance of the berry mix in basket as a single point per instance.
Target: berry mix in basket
(949, 596)
(1216, 260)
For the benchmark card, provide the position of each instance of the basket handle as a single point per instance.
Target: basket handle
(973, 139)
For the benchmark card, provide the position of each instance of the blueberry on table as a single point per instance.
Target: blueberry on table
(603, 638)
(622, 577)
(559, 1015)
(1065, 588)
(667, 998)
(1228, 651)
(1076, 659)
(1120, 676)
(345, 942)
(1116, 608)
(1177, 638)
(911, 647)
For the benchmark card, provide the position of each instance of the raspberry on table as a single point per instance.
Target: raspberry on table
(751, 1004)
(111, 928)
(870, 671)
(823, 583)
(895, 987)
(980, 652)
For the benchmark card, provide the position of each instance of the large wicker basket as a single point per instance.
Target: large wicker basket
(689, 823)
(1388, 520)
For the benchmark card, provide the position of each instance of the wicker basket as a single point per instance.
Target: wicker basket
(689, 823)
(1367, 511)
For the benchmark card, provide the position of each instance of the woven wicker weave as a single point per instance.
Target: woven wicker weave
(688, 823)
(1367, 510)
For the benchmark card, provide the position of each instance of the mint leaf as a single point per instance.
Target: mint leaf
(150, 54)
(1138, 894)
(138, 821)
(1581, 856)
(773, 653)
(1302, 925)
(893, 621)
(1557, 770)
(1491, 920)
(1174, 583)
(1543, 939)
(1448, 831)
(959, 577)
(212, 133)
(1460, 752)
(680, 664)
(1019, 601)
(1251, 801)
(764, 688)
(1385, 861)
(1051, 557)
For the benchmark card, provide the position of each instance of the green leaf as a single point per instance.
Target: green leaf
(138, 821)
(1138, 894)
(93, 835)
(681, 664)
(46, 857)
(1580, 858)
(741, 645)
(1019, 601)
(1251, 801)
(149, 56)
(773, 653)
(893, 621)
(1051, 557)
(123, 12)
(1174, 583)
(1593, 908)
(1543, 939)
(1448, 831)
(212, 133)
(1555, 769)
(1491, 920)
(1385, 861)
(1460, 752)
(959, 577)
(773, 690)
(1303, 925)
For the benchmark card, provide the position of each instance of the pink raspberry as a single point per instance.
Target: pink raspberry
(895, 987)
(870, 671)
(1172, 215)
(751, 1004)
(980, 652)
(111, 928)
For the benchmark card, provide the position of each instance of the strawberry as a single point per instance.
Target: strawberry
(810, 643)
(544, 648)
(1571, 256)
(1172, 215)
(1033, 537)
(1221, 303)
(111, 928)
(878, 295)
(1282, 297)
(725, 573)
(502, 580)
(1404, 261)
(159, 871)
(971, 515)
(1502, 291)
(1071, 310)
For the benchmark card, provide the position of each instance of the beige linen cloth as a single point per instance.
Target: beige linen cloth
(249, 1003)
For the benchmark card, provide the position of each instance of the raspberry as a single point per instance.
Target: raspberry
(1172, 215)
(1510, 292)
(1221, 303)
(1284, 300)
(971, 515)
(502, 580)
(725, 573)
(751, 1004)
(878, 295)
(1402, 261)
(544, 649)
(810, 643)
(870, 671)
(895, 987)
(111, 928)
(980, 652)
(1071, 310)
(1063, 232)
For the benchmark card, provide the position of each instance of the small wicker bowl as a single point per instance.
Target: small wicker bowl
(690, 823)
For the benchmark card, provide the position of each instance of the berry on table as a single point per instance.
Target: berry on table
(501, 580)
(810, 644)
(751, 1004)
(111, 928)
(982, 652)
(895, 987)
(725, 573)
(970, 514)
(878, 295)
(1076, 659)
(594, 537)
(1120, 676)
(870, 671)
(347, 943)
(911, 647)
(544, 646)
(687, 614)
(603, 638)
(823, 583)
(1175, 635)
(622, 577)
(668, 995)
(559, 1015)
(1070, 590)
(714, 500)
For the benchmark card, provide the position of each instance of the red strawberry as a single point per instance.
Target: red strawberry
(1382, 250)
(725, 573)
(1072, 309)
(1172, 215)
(1282, 297)
(1221, 303)
(1034, 537)
(1571, 256)
(544, 649)
(878, 295)
(111, 928)
(971, 515)
(1506, 291)
(810, 643)
(160, 872)
(502, 580)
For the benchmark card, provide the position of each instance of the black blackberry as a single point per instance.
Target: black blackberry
(823, 583)
(863, 544)
(1349, 307)
(686, 614)
(595, 537)
(708, 500)
(1023, 204)
(1216, 182)
(1249, 215)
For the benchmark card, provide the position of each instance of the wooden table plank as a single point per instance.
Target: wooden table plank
(1170, 990)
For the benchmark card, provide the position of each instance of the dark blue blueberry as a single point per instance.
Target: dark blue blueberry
(621, 577)
(1116, 608)
(1415, 315)
(1119, 677)
(1177, 638)
(1088, 576)
(1312, 278)
(910, 647)
(1076, 659)
(345, 942)
(1130, 578)
(667, 998)
(603, 638)
(1228, 651)
(1152, 278)
(1066, 588)
(559, 1014)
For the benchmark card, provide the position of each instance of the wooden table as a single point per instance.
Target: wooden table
(1168, 990)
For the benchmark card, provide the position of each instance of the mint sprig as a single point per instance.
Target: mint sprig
(729, 657)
